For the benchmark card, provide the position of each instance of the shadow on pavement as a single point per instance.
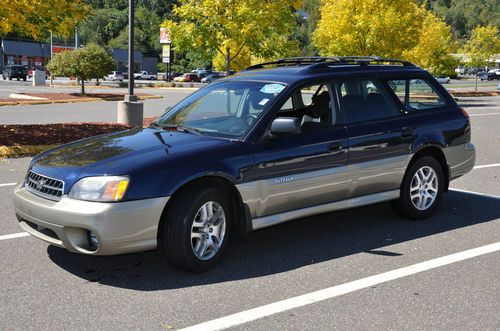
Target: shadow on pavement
(285, 247)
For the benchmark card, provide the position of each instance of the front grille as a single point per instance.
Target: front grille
(44, 186)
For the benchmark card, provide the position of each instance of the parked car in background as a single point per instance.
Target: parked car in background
(15, 71)
(460, 70)
(188, 78)
(443, 79)
(210, 78)
(115, 76)
(490, 75)
(494, 74)
(30, 72)
(145, 75)
(201, 72)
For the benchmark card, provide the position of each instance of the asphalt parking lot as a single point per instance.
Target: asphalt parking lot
(359, 269)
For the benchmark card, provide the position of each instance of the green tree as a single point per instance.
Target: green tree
(483, 45)
(464, 15)
(387, 28)
(36, 18)
(91, 61)
(227, 26)
(147, 29)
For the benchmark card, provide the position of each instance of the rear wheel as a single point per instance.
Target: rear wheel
(195, 231)
(421, 190)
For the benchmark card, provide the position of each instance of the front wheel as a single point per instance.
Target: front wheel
(422, 189)
(195, 231)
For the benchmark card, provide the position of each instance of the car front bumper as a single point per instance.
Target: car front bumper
(119, 227)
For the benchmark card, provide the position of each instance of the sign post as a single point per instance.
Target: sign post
(166, 40)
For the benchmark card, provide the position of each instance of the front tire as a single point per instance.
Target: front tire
(422, 189)
(195, 231)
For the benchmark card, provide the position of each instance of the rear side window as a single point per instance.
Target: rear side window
(365, 100)
(416, 94)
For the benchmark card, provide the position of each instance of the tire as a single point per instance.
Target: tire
(426, 196)
(182, 237)
(10, 78)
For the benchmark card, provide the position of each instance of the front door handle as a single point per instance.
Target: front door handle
(407, 133)
(335, 147)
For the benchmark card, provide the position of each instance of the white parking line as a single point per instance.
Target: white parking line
(332, 292)
(484, 195)
(8, 184)
(14, 235)
(485, 114)
(487, 166)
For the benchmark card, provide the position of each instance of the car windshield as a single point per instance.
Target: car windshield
(227, 109)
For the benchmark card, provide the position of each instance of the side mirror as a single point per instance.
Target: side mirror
(285, 125)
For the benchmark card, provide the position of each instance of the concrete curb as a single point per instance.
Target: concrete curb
(48, 101)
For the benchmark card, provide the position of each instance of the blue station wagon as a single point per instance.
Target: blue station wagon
(276, 142)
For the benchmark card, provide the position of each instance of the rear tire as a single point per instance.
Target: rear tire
(422, 189)
(194, 233)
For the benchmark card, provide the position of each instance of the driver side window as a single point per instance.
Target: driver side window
(312, 105)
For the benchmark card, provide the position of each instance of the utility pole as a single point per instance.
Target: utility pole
(130, 111)
(131, 13)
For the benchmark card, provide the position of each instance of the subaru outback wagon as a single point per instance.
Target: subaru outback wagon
(277, 142)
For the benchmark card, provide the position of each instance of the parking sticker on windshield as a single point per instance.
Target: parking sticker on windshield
(272, 88)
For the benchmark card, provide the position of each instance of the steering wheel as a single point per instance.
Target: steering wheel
(250, 118)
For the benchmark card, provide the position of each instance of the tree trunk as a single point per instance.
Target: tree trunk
(83, 86)
(228, 62)
(476, 79)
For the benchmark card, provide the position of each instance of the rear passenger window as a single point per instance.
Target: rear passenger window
(365, 100)
(416, 94)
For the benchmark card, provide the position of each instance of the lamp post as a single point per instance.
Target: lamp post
(131, 14)
(130, 111)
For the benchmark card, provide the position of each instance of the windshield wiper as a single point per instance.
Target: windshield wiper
(182, 128)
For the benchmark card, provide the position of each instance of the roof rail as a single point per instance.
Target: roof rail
(323, 61)
(293, 61)
(362, 60)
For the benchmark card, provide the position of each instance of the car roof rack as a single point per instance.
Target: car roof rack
(323, 61)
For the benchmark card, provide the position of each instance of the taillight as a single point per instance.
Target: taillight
(465, 113)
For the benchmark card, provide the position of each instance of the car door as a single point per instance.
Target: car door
(379, 138)
(305, 169)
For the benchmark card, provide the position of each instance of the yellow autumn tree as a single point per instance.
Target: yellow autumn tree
(34, 18)
(386, 28)
(229, 27)
(434, 48)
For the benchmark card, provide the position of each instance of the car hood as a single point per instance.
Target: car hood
(118, 153)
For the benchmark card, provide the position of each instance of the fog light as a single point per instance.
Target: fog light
(93, 242)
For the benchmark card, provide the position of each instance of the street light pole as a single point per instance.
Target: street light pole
(131, 14)
(130, 111)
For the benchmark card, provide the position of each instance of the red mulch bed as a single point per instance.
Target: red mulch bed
(53, 134)
(149, 120)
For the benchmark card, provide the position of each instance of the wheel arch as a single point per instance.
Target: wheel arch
(436, 152)
(242, 221)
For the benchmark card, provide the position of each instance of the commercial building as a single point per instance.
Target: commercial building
(33, 54)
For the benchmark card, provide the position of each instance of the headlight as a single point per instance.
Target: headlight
(103, 189)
